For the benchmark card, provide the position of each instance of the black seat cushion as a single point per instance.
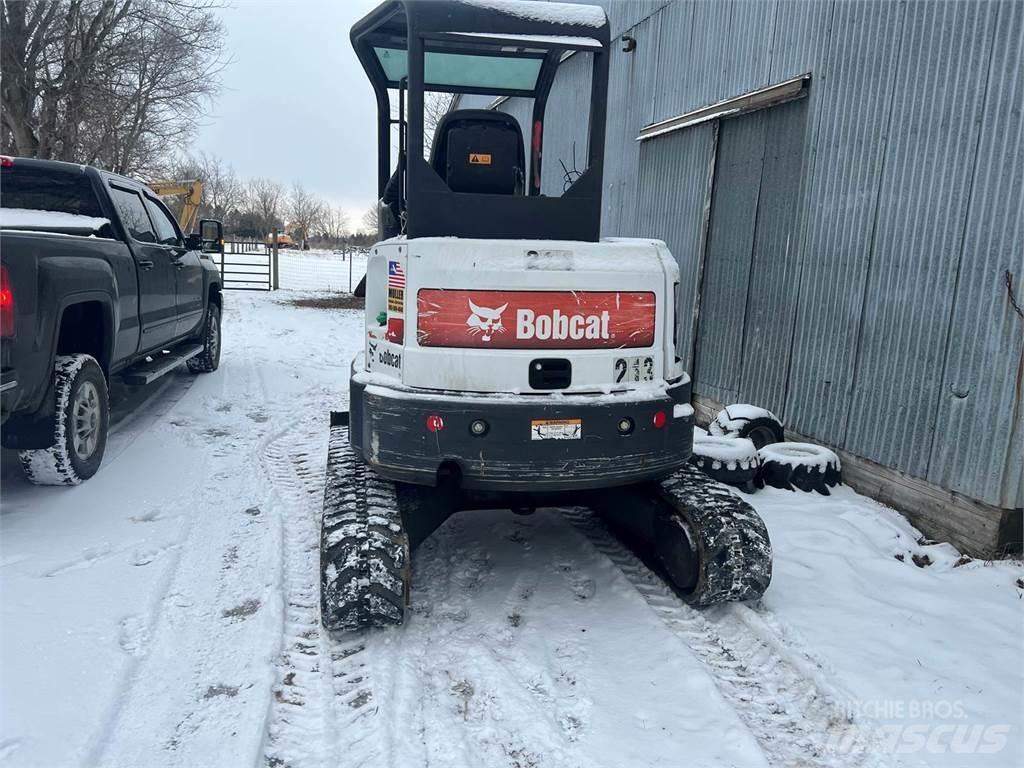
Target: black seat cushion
(479, 151)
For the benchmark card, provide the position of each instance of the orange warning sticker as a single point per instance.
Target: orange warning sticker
(479, 158)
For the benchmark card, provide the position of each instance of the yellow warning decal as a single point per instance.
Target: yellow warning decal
(396, 300)
(479, 158)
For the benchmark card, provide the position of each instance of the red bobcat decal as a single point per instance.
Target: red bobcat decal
(535, 319)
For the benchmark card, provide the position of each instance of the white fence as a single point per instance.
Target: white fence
(320, 270)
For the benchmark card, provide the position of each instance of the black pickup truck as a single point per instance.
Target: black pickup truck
(96, 280)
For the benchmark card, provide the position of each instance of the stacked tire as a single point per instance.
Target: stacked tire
(745, 448)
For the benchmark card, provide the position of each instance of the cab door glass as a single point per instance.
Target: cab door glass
(133, 215)
(166, 231)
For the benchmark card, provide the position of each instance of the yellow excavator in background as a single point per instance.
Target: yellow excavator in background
(191, 190)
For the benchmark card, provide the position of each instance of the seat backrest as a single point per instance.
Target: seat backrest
(479, 151)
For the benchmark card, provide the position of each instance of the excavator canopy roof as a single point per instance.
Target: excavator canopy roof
(496, 47)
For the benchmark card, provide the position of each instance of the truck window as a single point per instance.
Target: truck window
(133, 214)
(166, 232)
(47, 189)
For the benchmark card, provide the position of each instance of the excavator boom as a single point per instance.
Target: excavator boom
(191, 190)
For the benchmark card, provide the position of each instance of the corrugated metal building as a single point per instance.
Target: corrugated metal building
(845, 248)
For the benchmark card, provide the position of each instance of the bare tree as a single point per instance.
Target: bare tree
(304, 212)
(263, 199)
(223, 194)
(116, 83)
(334, 223)
(371, 220)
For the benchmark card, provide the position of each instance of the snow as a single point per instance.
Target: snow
(551, 13)
(32, 220)
(546, 40)
(732, 452)
(800, 455)
(164, 613)
(731, 419)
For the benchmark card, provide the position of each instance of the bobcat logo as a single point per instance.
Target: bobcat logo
(485, 321)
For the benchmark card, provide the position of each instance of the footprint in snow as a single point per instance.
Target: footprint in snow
(133, 636)
(243, 610)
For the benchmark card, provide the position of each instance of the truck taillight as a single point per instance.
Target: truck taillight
(6, 305)
(6, 162)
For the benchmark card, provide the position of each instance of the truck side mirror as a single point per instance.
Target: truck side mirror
(211, 233)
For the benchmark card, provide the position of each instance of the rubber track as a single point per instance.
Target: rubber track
(735, 553)
(364, 551)
(796, 720)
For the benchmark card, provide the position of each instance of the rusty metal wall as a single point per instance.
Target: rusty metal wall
(903, 345)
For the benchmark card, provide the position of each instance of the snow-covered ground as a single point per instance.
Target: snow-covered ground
(165, 613)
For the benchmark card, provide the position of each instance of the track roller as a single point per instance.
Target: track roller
(364, 547)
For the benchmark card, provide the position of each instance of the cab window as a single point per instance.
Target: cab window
(166, 231)
(133, 214)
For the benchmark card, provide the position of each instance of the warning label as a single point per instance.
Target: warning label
(479, 158)
(396, 300)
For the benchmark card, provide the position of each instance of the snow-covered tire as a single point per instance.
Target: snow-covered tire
(801, 466)
(730, 540)
(760, 426)
(730, 460)
(364, 548)
(208, 360)
(80, 424)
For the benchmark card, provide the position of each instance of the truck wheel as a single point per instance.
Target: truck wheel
(80, 425)
(757, 424)
(208, 360)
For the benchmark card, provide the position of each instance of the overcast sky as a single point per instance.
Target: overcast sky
(296, 105)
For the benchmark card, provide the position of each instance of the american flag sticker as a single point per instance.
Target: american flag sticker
(396, 275)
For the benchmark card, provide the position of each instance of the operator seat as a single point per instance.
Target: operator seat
(479, 151)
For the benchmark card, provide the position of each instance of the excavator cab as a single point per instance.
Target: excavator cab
(475, 174)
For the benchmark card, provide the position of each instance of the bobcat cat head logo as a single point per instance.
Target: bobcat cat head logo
(485, 321)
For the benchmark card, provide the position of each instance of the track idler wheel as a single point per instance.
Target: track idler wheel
(364, 547)
(712, 545)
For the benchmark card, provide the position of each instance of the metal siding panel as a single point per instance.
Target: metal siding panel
(727, 265)
(851, 98)
(978, 448)
(774, 276)
(566, 128)
(801, 37)
(922, 209)
(630, 105)
(673, 191)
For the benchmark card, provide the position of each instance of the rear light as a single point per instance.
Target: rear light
(6, 305)
(6, 162)
(660, 420)
(435, 423)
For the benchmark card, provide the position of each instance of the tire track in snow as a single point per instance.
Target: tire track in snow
(789, 710)
(323, 686)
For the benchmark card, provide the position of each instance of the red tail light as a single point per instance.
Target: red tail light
(6, 305)
(6, 162)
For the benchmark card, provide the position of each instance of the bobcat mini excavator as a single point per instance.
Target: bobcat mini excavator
(513, 358)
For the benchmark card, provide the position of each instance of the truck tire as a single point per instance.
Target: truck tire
(760, 426)
(80, 425)
(802, 466)
(208, 360)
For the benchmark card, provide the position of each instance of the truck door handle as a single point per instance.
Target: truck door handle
(145, 264)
